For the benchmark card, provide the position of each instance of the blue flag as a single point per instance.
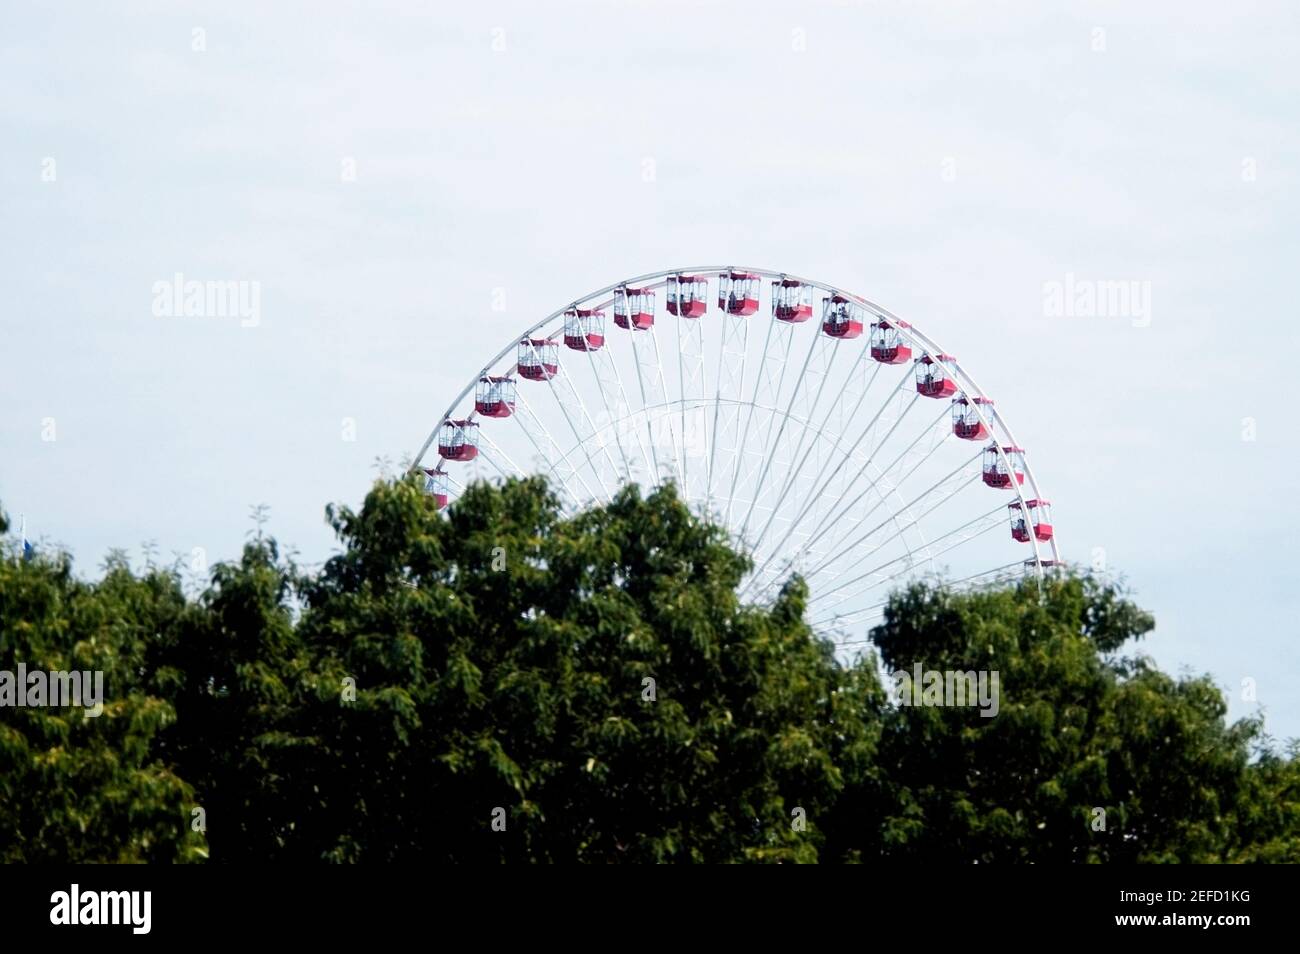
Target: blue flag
(27, 546)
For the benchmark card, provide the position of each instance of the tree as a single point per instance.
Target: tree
(1267, 825)
(1091, 757)
(78, 788)
(593, 680)
(507, 682)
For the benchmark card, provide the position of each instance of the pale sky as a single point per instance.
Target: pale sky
(946, 160)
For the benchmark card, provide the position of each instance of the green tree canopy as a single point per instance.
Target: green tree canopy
(592, 685)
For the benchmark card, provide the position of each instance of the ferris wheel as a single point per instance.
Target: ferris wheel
(829, 437)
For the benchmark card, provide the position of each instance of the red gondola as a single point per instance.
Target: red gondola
(435, 485)
(458, 440)
(966, 422)
(842, 318)
(791, 300)
(738, 293)
(634, 308)
(1040, 520)
(888, 346)
(934, 377)
(584, 329)
(996, 474)
(688, 295)
(539, 359)
(495, 397)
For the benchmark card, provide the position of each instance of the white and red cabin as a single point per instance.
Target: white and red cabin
(458, 440)
(995, 467)
(966, 422)
(688, 295)
(634, 308)
(791, 300)
(842, 318)
(539, 359)
(888, 346)
(934, 376)
(495, 397)
(1038, 521)
(435, 485)
(738, 293)
(584, 329)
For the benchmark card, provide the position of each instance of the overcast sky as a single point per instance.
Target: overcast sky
(384, 172)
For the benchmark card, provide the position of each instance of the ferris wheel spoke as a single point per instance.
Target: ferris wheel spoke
(868, 430)
(775, 385)
(454, 483)
(875, 447)
(964, 534)
(625, 405)
(491, 459)
(845, 417)
(928, 547)
(690, 379)
(913, 523)
(972, 530)
(738, 461)
(733, 327)
(586, 415)
(681, 390)
(1002, 574)
(498, 452)
(832, 622)
(877, 608)
(552, 453)
(884, 487)
(832, 519)
(769, 450)
(626, 473)
(663, 394)
(663, 390)
(840, 402)
(645, 402)
(564, 411)
(940, 483)
(855, 616)
(800, 459)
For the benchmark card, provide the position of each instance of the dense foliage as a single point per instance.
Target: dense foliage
(504, 683)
